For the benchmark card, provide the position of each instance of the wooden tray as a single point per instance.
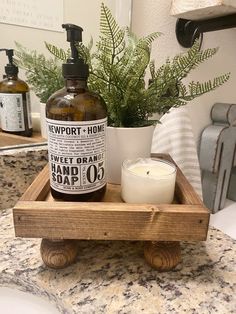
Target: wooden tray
(37, 215)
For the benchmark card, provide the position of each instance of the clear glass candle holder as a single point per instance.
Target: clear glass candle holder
(147, 180)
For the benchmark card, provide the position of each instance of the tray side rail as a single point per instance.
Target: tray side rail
(111, 221)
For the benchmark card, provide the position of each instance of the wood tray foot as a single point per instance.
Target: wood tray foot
(162, 255)
(58, 253)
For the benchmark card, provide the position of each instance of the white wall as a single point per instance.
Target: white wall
(154, 15)
(80, 12)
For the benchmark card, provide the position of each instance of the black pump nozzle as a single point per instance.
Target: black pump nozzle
(74, 34)
(10, 68)
(75, 66)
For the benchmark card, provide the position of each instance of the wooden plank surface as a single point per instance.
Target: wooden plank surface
(7, 139)
(202, 9)
(110, 221)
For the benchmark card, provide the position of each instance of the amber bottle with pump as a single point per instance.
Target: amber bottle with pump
(15, 110)
(76, 122)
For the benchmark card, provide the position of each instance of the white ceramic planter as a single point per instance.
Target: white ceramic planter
(43, 120)
(123, 143)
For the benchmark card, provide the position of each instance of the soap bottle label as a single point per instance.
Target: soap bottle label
(28, 105)
(11, 112)
(76, 152)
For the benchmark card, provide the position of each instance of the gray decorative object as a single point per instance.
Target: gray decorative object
(217, 157)
(232, 184)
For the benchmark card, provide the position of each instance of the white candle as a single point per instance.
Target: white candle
(146, 180)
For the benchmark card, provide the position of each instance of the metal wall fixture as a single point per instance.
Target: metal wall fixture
(189, 30)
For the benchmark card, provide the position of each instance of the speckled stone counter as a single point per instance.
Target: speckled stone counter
(17, 171)
(112, 277)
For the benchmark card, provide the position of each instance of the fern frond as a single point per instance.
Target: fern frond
(197, 89)
(152, 68)
(184, 63)
(149, 39)
(206, 54)
(85, 53)
(59, 53)
(112, 36)
(182, 90)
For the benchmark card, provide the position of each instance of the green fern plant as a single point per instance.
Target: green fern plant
(119, 65)
(44, 75)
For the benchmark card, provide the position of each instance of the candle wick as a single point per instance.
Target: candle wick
(148, 172)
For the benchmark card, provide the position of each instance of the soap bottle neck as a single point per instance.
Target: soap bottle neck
(11, 77)
(76, 85)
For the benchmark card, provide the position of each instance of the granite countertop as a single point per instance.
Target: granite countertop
(18, 168)
(112, 276)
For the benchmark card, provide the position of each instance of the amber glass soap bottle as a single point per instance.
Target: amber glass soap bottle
(76, 123)
(15, 111)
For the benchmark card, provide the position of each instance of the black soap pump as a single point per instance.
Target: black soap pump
(15, 109)
(76, 120)
(75, 66)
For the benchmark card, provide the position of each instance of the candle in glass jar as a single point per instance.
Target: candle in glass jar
(147, 180)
